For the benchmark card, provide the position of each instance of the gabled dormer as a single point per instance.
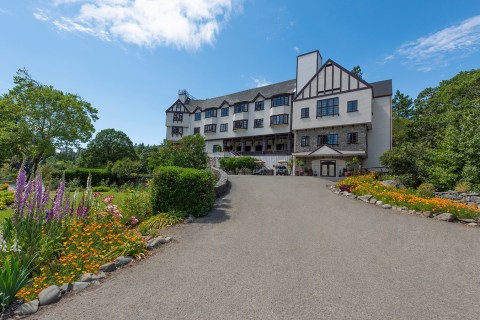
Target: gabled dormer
(330, 79)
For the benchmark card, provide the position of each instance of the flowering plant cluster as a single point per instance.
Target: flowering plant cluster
(64, 237)
(367, 184)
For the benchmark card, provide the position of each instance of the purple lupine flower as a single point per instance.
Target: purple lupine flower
(39, 194)
(66, 205)
(20, 185)
(58, 199)
(24, 199)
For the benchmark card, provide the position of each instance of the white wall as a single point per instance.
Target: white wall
(379, 137)
(363, 115)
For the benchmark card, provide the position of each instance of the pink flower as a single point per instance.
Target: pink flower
(134, 220)
(97, 194)
(108, 199)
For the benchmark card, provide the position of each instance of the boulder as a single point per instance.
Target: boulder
(77, 286)
(108, 267)
(365, 198)
(49, 295)
(445, 217)
(67, 287)
(27, 308)
(427, 214)
(373, 200)
(89, 277)
(122, 261)
(386, 206)
(190, 218)
(379, 203)
(473, 224)
(468, 220)
(393, 183)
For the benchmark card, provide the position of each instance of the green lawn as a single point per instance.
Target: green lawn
(119, 197)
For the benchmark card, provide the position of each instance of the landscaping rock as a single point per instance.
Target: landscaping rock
(468, 220)
(88, 277)
(365, 198)
(379, 203)
(157, 241)
(373, 200)
(473, 224)
(49, 295)
(393, 183)
(108, 267)
(96, 282)
(412, 211)
(386, 206)
(352, 196)
(427, 214)
(122, 261)
(445, 217)
(27, 308)
(403, 208)
(190, 218)
(77, 286)
(67, 287)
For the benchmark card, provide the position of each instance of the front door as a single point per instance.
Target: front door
(327, 168)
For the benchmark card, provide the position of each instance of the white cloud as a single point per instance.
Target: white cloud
(296, 49)
(41, 15)
(147, 23)
(437, 49)
(260, 81)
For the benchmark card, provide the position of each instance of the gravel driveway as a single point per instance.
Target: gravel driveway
(287, 248)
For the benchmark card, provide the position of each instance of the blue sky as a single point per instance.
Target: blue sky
(130, 57)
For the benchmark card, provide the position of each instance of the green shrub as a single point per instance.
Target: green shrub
(7, 198)
(136, 204)
(161, 221)
(4, 186)
(426, 190)
(101, 189)
(183, 189)
(463, 186)
(235, 164)
(82, 174)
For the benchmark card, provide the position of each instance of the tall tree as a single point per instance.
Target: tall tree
(402, 107)
(109, 145)
(357, 71)
(38, 119)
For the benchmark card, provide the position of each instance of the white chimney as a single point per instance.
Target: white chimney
(183, 95)
(307, 66)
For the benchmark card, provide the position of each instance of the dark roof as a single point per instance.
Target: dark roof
(382, 88)
(244, 96)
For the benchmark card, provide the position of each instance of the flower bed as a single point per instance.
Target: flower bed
(367, 184)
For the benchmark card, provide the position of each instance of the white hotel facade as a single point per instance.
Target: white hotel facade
(324, 117)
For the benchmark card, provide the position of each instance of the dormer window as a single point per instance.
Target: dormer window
(240, 107)
(211, 113)
(280, 101)
(259, 105)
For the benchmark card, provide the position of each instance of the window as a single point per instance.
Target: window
(352, 137)
(258, 123)
(279, 119)
(177, 131)
(327, 107)
(177, 117)
(225, 111)
(210, 128)
(259, 105)
(223, 127)
(198, 116)
(352, 106)
(305, 141)
(217, 148)
(196, 130)
(305, 113)
(331, 139)
(210, 113)
(240, 124)
(240, 107)
(280, 101)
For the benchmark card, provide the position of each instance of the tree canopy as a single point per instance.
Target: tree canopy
(441, 143)
(109, 145)
(357, 71)
(37, 119)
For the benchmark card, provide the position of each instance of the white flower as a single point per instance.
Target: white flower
(15, 247)
(3, 246)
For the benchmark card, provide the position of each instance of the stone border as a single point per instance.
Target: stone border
(54, 293)
(223, 184)
(427, 214)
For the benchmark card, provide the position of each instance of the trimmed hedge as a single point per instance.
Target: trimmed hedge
(234, 164)
(82, 173)
(183, 189)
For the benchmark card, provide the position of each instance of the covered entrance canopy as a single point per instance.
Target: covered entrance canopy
(325, 161)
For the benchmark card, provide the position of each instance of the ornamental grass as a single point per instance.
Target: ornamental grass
(367, 184)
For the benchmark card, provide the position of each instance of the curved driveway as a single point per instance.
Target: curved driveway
(287, 248)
